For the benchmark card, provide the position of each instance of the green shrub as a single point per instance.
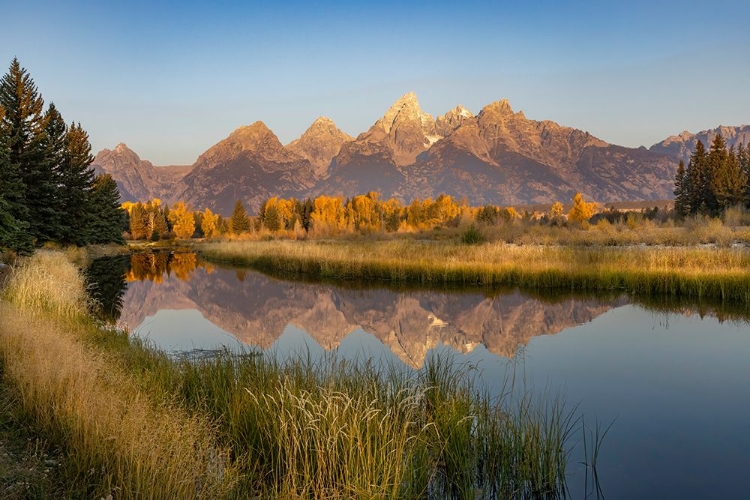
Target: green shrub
(472, 236)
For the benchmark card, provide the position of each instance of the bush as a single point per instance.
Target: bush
(472, 236)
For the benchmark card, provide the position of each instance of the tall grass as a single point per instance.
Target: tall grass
(118, 441)
(695, 272)
(337, 429)
(48, 282)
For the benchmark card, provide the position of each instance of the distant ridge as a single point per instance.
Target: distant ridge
(497, 156)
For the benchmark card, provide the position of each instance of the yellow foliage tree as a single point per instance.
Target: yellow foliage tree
(183, 222)
(210, 223)
(327, 214)
(556, 210)
(581, 211)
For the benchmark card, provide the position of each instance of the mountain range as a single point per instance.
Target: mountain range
(497, 156)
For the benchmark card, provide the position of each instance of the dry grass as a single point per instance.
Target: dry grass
(699, 272)
(117, 440)
(48, 281)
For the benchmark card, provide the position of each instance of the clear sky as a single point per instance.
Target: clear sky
(170, 79)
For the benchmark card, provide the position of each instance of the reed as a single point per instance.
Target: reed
(338, 429)
(694, 272)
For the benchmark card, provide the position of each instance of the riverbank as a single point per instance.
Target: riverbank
(130, 420)
(698, 272)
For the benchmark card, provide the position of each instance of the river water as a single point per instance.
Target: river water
(672, 379)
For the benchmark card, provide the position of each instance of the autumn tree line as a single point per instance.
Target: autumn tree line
(48, 192)
(325, 216)
(714, 180)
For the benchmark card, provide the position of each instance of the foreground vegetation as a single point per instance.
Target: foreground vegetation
(135, 423)
(694, 272)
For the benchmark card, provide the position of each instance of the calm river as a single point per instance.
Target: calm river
(674, 378)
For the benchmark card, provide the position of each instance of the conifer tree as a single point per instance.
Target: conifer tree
(13, 234)
(697, 179)
(55, 131)
(26, 188)
(107, 219)
(240, 222)
(77, 179)
(272, 219)
(681, 205)
(729, 181)
(715, 161)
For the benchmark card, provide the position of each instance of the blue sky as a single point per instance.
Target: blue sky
(170, 79)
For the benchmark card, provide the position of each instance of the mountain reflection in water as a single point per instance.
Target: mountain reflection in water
(256, 309)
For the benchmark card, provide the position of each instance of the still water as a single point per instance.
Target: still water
(674, 378)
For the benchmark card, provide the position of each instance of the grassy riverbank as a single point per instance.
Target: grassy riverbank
(134, 423)
(693, 272)
(116, 439)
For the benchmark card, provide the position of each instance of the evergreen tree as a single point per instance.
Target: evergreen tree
(55, 131)
(240, 222)
(27, 186)
(11, 230)
(743, 158)
(107, 219)
(716, 162)
(272, 220)
(697, 179)
(729, 182)
(76, 180)
(681, 205)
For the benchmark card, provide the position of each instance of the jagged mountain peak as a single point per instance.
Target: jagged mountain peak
(405, 131)
(322, 121)
(406, 108)
(254, 138)
(682, 145)
(319, 144)
(499, 109)
(450, 121)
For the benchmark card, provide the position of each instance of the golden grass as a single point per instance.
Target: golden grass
(677, 271)
(117, 440)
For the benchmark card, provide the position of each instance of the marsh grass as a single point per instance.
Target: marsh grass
(693, 272)
(116, 439)
(339, 429)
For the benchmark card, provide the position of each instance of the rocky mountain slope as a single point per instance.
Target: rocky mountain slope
(319, 144)
(681, 146)
(250, 165)
(138, 180)
(497, 156)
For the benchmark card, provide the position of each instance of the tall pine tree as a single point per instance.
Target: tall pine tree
(24, 124)
(729, 181)
(697, 180)
(681, 189)
(77, 179)
(55, 130)
(107, 220)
